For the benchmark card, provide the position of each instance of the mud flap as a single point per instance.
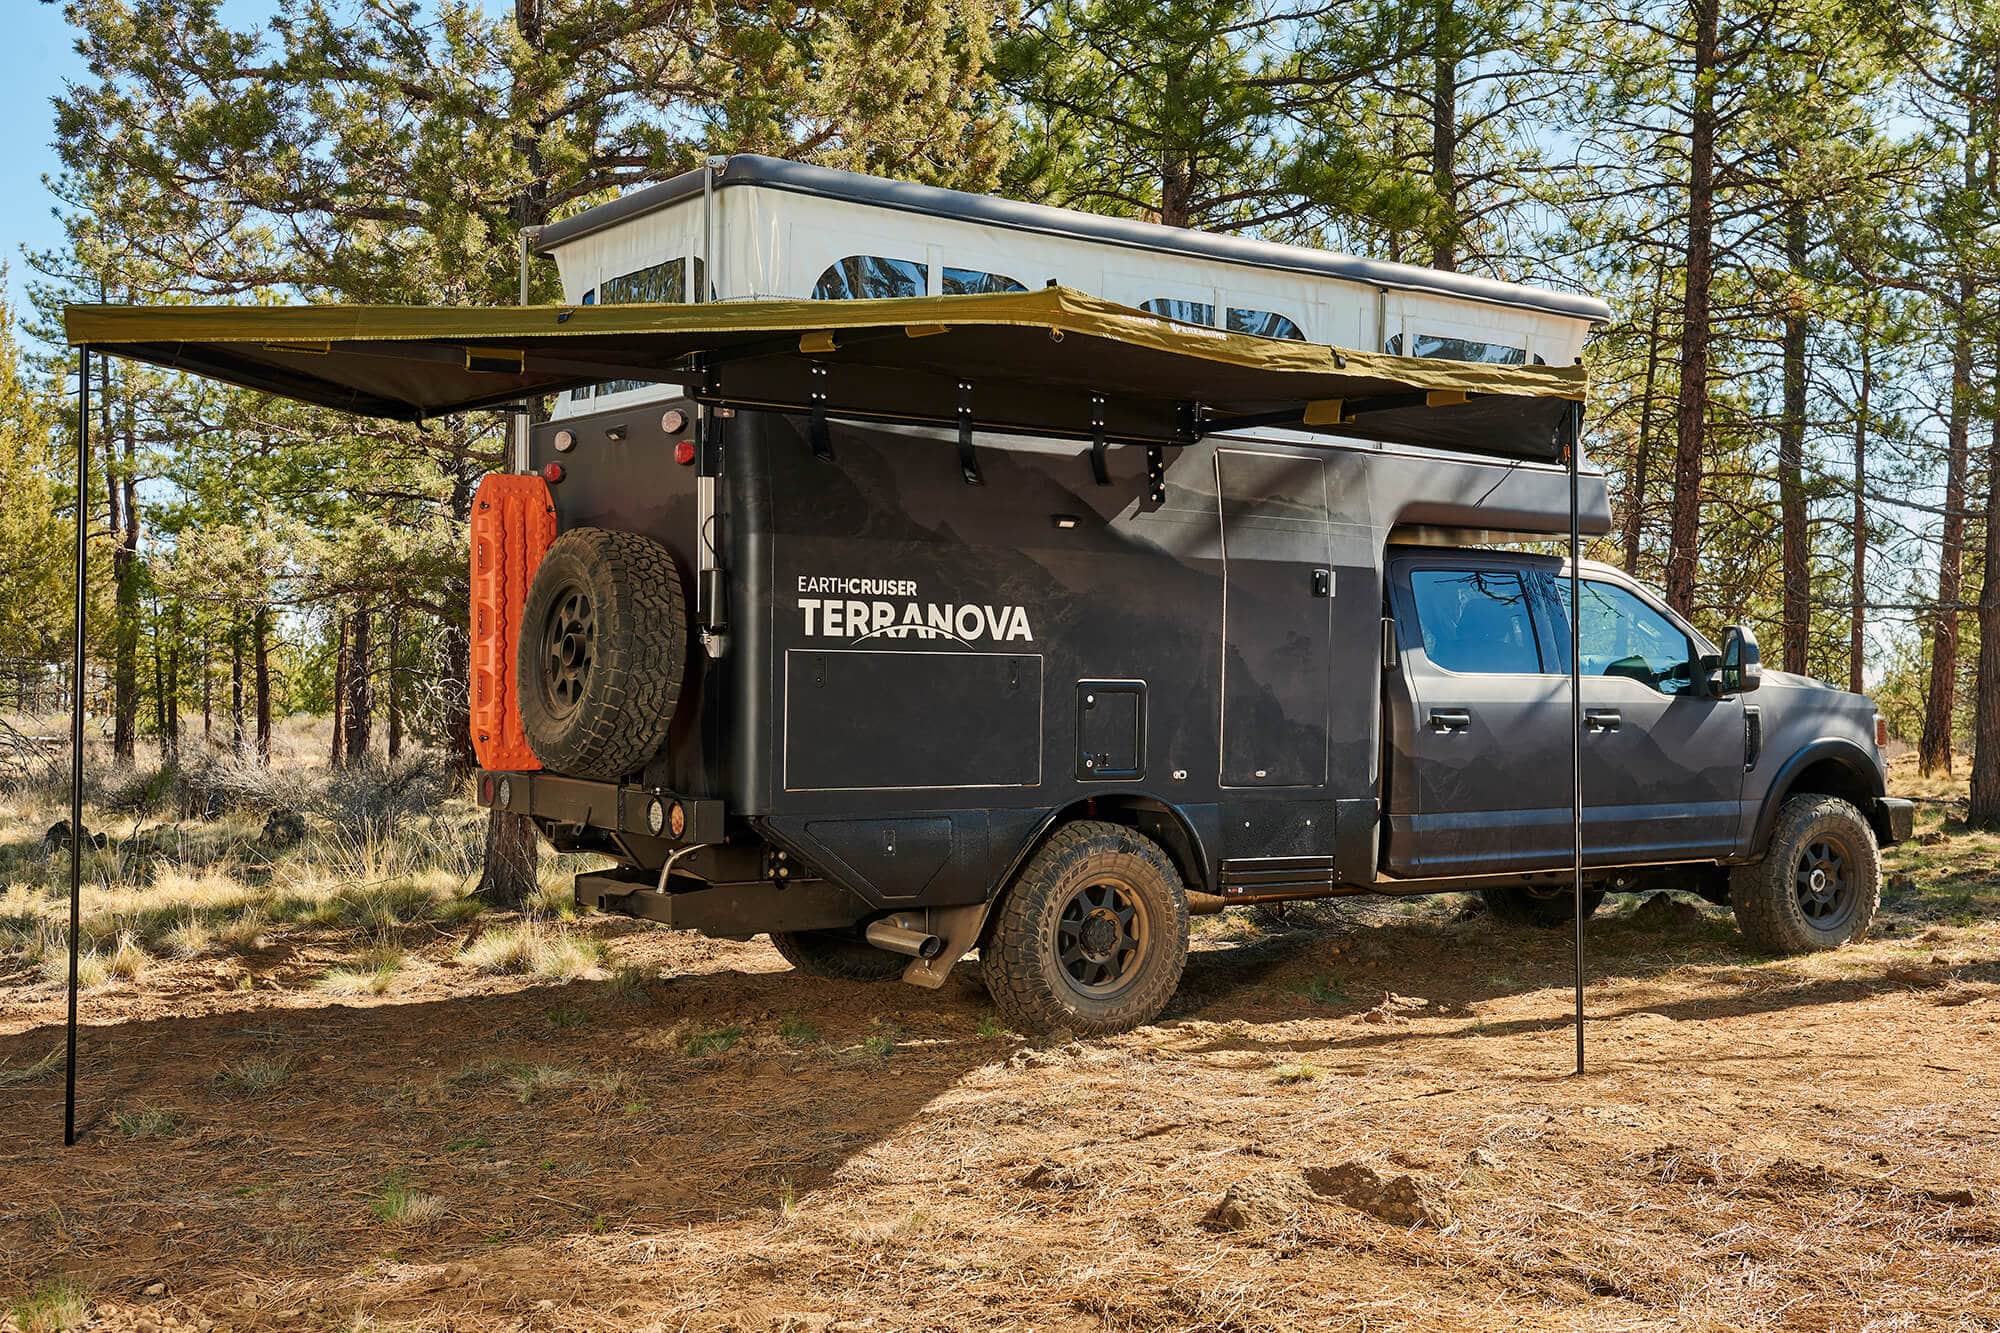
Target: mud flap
(959, 928)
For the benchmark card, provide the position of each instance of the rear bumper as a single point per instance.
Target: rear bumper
(1893, 819)
(650, 813)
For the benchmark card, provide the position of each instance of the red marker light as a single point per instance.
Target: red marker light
(684, 452)
(552, 473)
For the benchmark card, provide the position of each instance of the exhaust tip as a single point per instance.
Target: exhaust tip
(897, 939)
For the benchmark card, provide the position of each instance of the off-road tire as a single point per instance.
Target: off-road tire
(1128, 899)
(1546, 909)
(596, 703)
(837, 956)
(1777, 906)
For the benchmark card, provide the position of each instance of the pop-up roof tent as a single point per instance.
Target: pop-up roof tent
(1054, 362)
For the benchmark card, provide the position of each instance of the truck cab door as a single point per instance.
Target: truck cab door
(1663, 762)
(1478, 719)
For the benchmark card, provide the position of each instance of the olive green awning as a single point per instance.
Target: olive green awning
(1054, 361)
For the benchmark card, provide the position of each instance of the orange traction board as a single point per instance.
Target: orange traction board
(513, 522)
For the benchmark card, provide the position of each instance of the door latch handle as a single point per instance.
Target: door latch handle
(1450, 719)
(1602, 719)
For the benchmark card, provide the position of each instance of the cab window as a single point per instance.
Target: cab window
(1620, 635)
(1476, 620)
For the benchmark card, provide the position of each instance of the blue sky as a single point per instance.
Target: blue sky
(37, 59)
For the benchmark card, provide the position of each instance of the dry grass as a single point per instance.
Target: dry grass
(703, 1139)
(536, 949)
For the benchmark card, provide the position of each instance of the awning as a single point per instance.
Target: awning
(1055, 361)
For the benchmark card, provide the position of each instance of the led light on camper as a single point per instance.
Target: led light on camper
(505, 797)
(673, 421)
(656, 815)
(565, 441)
(677, 820)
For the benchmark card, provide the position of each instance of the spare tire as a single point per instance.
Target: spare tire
(602, 650)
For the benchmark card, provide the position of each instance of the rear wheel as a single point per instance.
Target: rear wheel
(1819, 883)
(837, 955)
(1544, 907)
(1091, 936)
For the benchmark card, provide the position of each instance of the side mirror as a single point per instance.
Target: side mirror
(1741, 670)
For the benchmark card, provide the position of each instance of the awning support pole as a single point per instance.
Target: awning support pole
(76, 834)
(1574, 433)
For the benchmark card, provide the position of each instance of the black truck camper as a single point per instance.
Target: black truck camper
(892, 693)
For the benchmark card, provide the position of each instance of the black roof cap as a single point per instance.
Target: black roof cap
(803, 178)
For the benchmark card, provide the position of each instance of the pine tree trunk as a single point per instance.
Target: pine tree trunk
(1941, 700)
(1691, 418)
(390, 679)
(1984, 810)
(207, 688)
(173, 691)
(159, 687)
(125, 582)
(359, 702)
(1857, 626)
(1795, 557)
(236, 687)
(261, 657)
(340, 690)
(1444, 134)
(507, 871)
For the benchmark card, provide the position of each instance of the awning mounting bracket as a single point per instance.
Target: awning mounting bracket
(1099, 465)
(968, 461)
(816, 431)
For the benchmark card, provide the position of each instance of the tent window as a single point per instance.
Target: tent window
(864, 277)
(1187, 312)
(1460, 349)
(972, 282)
(1264, 324)
(664, 283)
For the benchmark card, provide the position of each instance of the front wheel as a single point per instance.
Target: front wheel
(1091, 936)
(1819, 883)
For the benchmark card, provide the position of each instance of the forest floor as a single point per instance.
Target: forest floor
(321, 1089)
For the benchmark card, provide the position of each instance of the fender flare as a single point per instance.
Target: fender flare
(1848, 754)
(1196, 853)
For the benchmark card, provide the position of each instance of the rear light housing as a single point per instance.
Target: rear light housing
(1881, 732)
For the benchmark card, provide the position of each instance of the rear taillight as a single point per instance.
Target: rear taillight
(486, 790)
(1881, 731)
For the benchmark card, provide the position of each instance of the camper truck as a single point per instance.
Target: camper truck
(891, 701)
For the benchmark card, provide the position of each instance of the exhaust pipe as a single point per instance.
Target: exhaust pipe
(896, 939)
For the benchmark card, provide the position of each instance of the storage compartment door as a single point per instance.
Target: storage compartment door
(1277, 618)
(897, 719)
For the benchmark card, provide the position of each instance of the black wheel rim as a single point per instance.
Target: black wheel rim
(569, 650)
(1823, 880)
(1101, 938)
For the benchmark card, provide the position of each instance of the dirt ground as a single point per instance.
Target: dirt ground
(1757, 1143)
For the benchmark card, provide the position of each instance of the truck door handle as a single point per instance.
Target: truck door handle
(1602, 719)
(1450, 719)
